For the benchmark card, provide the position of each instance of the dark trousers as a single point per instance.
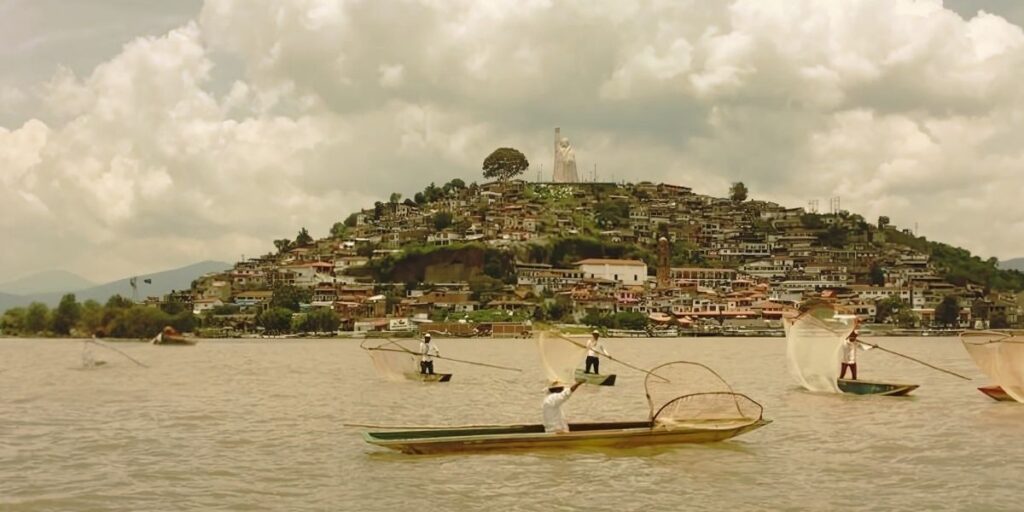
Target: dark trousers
(853, 370)
(427, 367)
(592, 361)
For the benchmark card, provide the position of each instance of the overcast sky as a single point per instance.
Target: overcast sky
(140, 135)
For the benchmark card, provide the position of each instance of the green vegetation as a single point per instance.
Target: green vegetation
(738, 192)
(621, 320)
(947, 313)
(504, 164)
(119, 319)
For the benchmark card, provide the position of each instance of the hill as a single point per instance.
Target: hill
(1014, 264)
(50, 281)
(161, 283)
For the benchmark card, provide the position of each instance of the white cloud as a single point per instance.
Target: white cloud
(260, 117)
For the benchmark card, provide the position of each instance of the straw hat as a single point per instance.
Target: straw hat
(554, 384)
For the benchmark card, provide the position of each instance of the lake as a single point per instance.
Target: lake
(259, 425)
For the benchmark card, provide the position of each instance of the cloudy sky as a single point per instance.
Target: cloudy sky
(140, 135)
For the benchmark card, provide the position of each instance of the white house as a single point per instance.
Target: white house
(629, 272)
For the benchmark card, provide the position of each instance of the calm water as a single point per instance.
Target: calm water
(258, 425)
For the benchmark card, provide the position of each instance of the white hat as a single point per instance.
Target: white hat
(427, 335)
(554, 384)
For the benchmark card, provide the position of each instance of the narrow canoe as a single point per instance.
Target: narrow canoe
(429, 377)
(996, 393)
(597, 379)
(867, 387)
(532, 437)
(172, 339)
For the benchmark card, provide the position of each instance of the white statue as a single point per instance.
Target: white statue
(565, 160)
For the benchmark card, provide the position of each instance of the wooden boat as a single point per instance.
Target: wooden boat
(172, 339)
(532, 437)
(867, 387)
(597, 379)
(428, 377)
(996, 393)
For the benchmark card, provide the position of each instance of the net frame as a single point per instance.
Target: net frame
(392, 363)
(802, 357)
(660, 390)
(1000, 356)
(720, 410)
(559, 357)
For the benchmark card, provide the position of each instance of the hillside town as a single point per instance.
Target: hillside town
(497, 258)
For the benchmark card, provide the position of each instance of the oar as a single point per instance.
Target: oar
(104, 345)
(452, 359)
(623, 363)
(893, 352)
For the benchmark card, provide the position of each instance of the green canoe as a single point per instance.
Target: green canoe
(581, 435)
(867, 387)
(597, 379)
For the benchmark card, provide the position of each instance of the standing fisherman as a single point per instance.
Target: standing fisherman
(850, 347)
(426, 352)
(594, 347)
(554, 420)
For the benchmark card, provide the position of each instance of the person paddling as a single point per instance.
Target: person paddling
(427, 351)
(850, 347)
(594, 347)
(554, 420)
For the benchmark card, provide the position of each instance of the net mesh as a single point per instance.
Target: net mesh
(393, 360)
(716, 410)
(669, 381)
(560, 357)
(814, 348)
(1000, 356)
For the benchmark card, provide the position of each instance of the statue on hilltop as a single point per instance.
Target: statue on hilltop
(565, 160)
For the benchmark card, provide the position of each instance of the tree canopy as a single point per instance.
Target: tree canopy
(738, 192)
(504, 164)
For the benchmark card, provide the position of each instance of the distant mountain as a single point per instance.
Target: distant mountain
(160, 283)
(51, 281)
(1014, 264)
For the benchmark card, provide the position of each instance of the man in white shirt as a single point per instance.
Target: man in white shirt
(850, 347)
(554, 420)
(594, 347)
(427, 350)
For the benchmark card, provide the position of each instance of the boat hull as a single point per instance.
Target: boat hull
(867, 387)
(996, 393)
(595, 378)
(172, 339)
(533, 437)
(429, 377)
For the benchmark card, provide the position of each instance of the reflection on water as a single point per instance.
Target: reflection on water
(255, 425)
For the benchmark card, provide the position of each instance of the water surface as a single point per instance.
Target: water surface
(259, 425)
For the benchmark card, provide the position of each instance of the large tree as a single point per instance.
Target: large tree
(37, 318)
(504, 164)
(948, 311)
(67, 314)
(738, 192)
(303, 238)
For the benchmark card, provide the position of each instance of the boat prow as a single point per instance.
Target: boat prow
(996, 393)
(429, 377)
(596, 379)
(533, 437)
(867, 387)
(172, 339)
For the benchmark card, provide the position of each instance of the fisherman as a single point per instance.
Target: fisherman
(850, 347)
(594, 346)
(426, 352)
(554, 420)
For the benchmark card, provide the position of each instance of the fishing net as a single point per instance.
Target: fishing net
(684, 394)
(393, 361)
(814, 347)
(560, 357)
(1000, 356)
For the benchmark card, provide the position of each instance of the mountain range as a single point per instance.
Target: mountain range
(1013, 264)
(48, 287)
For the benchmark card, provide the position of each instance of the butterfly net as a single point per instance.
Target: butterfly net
(685, 394)
(393, 360)
(560, 357)
(814, 347)
(1000, 356)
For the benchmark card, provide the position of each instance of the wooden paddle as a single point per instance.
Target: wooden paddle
(623, 363)
(452, 359)
(918, 361)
